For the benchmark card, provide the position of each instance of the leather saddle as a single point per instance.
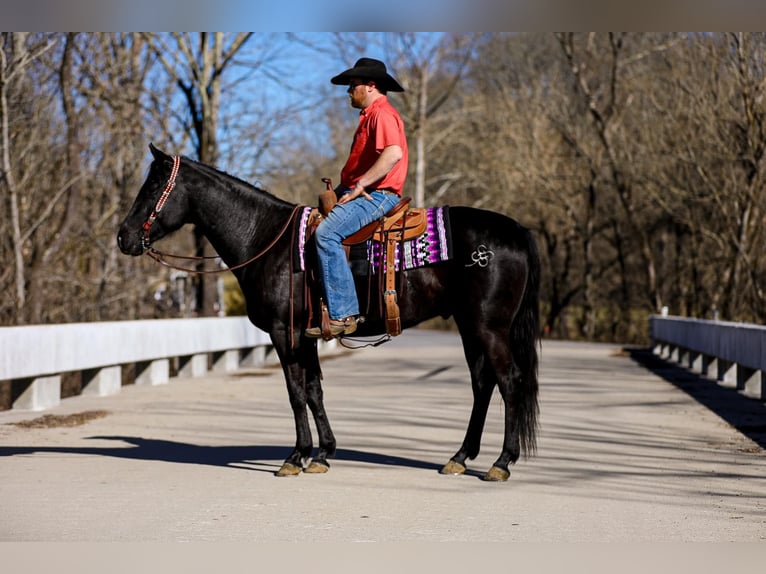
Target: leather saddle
(401, 223)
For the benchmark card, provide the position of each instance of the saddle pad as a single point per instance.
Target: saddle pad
(433, 246)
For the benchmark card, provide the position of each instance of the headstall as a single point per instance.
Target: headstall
(160, 256)
(145, 243)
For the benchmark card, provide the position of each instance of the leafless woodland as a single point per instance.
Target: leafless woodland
(637, 159)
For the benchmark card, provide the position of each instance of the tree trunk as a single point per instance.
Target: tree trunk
(7, 70)
(420, 139)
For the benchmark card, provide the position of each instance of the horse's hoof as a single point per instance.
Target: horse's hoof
(316, 468)
(453, 467)
(497, 474)
(288, 469)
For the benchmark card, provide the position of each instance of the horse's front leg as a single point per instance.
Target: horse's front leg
(295, 377)
(304, 385)
(315, 397)
(327, 443)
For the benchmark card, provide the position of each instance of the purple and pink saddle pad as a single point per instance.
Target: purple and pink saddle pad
(432, 246)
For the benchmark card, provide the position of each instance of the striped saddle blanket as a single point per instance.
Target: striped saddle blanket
(432, 246)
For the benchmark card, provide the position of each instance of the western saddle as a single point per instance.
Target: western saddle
(401, 223)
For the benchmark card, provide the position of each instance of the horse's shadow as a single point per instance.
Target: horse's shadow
(264, 458)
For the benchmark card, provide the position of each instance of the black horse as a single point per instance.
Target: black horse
(490, 286)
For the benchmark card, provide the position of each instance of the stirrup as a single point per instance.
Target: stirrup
(346, 327)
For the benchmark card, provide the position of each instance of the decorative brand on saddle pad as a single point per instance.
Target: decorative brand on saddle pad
(432, 246)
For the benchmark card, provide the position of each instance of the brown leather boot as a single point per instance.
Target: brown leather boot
(337, 328)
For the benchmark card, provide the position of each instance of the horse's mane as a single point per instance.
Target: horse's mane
(241, 185)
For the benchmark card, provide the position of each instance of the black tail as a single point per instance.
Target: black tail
(525, 340)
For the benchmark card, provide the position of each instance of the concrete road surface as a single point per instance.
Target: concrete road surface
(623, 455)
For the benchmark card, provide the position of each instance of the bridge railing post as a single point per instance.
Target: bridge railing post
(102, 382)
(39, 393)
(155, 372)
(734, 354)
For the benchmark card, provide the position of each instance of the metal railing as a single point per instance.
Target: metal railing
(34, 358)
(732, 353)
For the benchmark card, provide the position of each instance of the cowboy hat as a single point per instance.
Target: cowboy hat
(368, 69)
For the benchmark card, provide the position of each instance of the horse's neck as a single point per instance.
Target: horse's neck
(237, 219)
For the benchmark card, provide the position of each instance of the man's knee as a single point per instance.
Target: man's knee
(325, 235)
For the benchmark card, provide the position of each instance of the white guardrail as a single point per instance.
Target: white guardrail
(731, 353)
(33, 358)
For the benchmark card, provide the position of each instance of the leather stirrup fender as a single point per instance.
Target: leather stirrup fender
(325, 323)
(393, 321)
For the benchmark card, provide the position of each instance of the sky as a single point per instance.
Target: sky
(302, 83)
(390, 15)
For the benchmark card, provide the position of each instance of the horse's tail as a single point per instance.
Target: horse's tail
(525, 340)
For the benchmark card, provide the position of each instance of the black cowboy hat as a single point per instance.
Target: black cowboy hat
(369, 69)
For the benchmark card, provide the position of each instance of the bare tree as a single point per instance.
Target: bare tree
(76, 115)
(637, 159)
(711, 184)
(13, 58)
(431, 67)
(749, 122)
(197, 64)
(111, 80)
(18, 50)
(556, 127)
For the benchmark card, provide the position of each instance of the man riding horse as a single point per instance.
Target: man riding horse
(371, 184)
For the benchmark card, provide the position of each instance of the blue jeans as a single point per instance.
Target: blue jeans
(334, 270)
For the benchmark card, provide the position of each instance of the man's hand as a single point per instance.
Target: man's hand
(386, 161)
(354, 193)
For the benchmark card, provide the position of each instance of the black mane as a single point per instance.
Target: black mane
(235, 182)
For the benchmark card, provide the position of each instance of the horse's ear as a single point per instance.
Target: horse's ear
(158, 154)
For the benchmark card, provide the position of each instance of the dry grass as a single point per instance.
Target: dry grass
(57, 421)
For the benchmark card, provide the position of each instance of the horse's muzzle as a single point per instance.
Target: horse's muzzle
(129, 247)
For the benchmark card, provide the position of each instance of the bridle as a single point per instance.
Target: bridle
(160, 256)
(145, 243)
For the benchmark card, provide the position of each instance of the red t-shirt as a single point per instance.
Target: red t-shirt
(379, 126)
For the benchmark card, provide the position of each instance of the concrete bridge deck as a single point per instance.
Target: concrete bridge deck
(624, 455)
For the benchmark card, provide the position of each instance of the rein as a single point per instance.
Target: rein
(160, 256)
(377, 342)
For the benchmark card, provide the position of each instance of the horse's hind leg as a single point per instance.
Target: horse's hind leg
(508, 384)
(490, 361)
(483, 383)
(501, 367)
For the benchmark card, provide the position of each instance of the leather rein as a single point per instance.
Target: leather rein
(160, 256)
